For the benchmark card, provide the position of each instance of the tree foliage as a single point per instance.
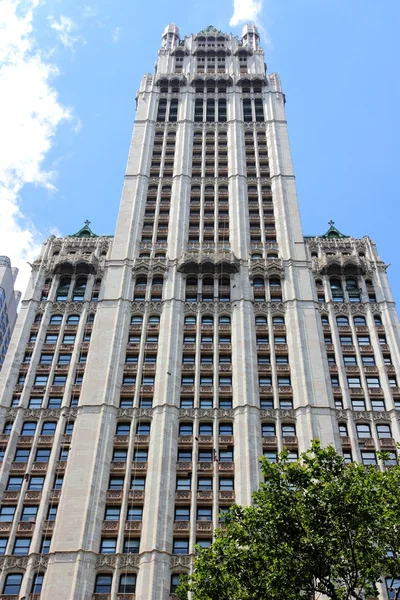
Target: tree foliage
(317, 525)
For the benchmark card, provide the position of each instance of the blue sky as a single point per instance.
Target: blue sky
(69, 73)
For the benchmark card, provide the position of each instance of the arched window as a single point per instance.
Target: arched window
(360, 321)
(154, 319)
(191, 281)
(103, 583)
(123, 428)
(127, 583)
(207, 320)
(144, 255)
(159, 255)
(37, 583)
(186, 428)
(342, 321)
(141, 281)
(268, 429)
(256, 256)
(258, 282)
(79, 289)
(63, 289)
(351, 284)
(143, 428)
(272, 256)
(324, 320)
(190, 320)
(48, 428)
(335, 284)
(56, 319)
(274, 283)
(224, 281)
(12, 584)
(38, 318)
(261, 320)
(224, 320)
(73, 319)
(377, 320)
(208, 281)
(157, 281)
(136, 319)
(278, 320)
(288, 430)
(343, 430)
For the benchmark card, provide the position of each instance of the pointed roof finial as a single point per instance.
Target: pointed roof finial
(333, 232)
(85, 231)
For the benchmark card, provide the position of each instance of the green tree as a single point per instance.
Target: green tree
(317, 525)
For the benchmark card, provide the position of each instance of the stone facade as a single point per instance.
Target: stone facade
(148, 372)
(9, 299)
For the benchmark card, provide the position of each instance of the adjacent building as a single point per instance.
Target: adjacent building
(149, 371)
(9, 299)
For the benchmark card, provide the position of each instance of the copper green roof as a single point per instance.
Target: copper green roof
(209, 29)
(85, 232)
(332, 233)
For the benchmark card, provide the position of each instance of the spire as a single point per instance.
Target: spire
(85, 231)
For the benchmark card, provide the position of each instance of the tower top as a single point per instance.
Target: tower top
(250, 36)
(170, 36)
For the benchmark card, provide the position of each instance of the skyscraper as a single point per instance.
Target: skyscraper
(148, 372)
(9, 299)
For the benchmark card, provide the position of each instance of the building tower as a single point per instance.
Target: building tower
(9, 299)
(148, 372)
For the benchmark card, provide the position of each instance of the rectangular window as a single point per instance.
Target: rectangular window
(131, 545)
(259, 108)
(222, 110)
(35, 402)
(3, 546)
(247, 112)
(162, 110)
(41, 380)
(198, 111)
(180, 546)
(7, 514)
(134, 513)
(210, 110)
(36, 483)
(373, 382)
(29, 513)
(108, 545)
(68, 339)
(21, 546)
(140, 455)
(42, 455)
(21, 455)
(14, 483)
(173, 110)
(138, 483)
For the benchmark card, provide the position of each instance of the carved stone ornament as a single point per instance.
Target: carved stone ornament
(135, 412)
(128, 560)
(278, 413)
(106, 560)
(381, 415)
(269, 307)
(14, 562)
(141, 307)
(181, 560)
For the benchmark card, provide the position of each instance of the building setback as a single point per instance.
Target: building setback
(9, 299)
(148, 372)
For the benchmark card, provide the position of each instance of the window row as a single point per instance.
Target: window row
(364, 430)
(358, 320)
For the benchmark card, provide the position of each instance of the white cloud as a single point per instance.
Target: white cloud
(116, 34)
(30, 113)
(65, 28)
(245, 11)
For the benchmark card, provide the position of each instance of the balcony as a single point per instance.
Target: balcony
(181, 526)
(10, 496)
(290, 441)
(141, 440)
(269, 441)
(339, 264)
(183, 496)
(183, 467)
(25, 527)
(387, 443)
(226, 496)
(110, 527)
(55, 494)
(225, 440)
(135, 526)
(136, 495)
(205, 467)
(25, 440)
(205, 440)
(32, 496)
(117, 467)
(205, 496)
(5, 527)
(185, 440)
(204, 527)
(346, 442)
(226, 467)
(139, 466)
